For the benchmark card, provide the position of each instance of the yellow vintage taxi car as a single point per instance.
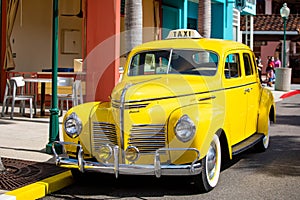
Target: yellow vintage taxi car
(184, 105)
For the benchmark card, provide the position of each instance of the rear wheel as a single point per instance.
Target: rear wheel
(211, 166)
(264, 143)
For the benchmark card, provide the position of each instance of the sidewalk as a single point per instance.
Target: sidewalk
(22, 151)
(24, 140)
(279, 95)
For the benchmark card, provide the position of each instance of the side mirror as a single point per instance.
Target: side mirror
(121, 70)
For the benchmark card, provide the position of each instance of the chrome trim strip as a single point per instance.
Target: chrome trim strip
(207, 98)
(157, 165)
(185, 95)
(182, 149)
(80, 159)
(116, 161)
(122, 109)
(169, 63)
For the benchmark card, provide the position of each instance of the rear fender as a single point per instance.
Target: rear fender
(266, 111)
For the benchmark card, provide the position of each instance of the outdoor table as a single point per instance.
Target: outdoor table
(43, 82)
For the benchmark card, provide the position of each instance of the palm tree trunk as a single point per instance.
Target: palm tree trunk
(133, 23)
(204, 18)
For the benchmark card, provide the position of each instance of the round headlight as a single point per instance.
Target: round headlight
(132, 153)
(105, 153)
(73, 126)
(185, 129)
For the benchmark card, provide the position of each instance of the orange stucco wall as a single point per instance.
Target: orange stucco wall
(101, 62)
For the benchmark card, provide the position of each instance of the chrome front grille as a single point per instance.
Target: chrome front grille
(103, 133)
(147, 137)
(130, 106)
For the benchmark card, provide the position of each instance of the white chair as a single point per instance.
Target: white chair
(14, 91)
(75, 96)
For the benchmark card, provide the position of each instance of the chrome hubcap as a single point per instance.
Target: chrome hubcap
(211, 161)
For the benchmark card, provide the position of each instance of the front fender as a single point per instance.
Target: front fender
(84, 113)
(202, 115)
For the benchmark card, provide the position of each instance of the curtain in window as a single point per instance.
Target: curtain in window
(12, 8)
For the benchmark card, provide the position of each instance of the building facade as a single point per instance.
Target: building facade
(268, 33)
(93, 30)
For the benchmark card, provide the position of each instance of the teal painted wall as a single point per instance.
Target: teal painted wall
(222, 19)
(184, 14)
(217, 20)
(192, 10)
(228, 31)
(192, 15)
(174, 15)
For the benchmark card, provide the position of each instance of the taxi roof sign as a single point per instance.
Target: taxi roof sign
(183, 33)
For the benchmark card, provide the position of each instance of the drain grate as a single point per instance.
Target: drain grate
(19, 173)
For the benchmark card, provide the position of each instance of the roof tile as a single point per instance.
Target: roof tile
(272, 23)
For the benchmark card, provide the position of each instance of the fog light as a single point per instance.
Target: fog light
(132, 153)
(105, 153)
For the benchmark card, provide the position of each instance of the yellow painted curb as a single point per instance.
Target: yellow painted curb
(44, 187)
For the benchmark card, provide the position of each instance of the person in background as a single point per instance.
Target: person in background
(270, 72)
(259, 67)
(277, 63)
(271, 61)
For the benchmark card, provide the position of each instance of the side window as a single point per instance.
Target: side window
(232, 66)
(149, 63)
(247, 64)
(254, 61)
(135, 63)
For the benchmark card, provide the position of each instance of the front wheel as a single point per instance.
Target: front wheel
(211, 166)
(78, 175)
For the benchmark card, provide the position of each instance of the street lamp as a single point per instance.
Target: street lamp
(283, 74)
(284, 12)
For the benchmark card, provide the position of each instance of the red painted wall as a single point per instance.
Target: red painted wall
(101, 62)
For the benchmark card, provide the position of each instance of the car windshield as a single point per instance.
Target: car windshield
(192, 62)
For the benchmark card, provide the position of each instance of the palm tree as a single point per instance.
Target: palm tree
(204, 18)
(133, 23)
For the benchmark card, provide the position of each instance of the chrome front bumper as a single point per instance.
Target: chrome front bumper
(117, 168)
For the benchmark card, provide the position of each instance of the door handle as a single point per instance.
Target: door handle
(247, 90)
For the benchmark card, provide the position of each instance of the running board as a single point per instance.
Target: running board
(246, 144)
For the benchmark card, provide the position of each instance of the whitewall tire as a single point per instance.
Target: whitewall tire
(211, 167)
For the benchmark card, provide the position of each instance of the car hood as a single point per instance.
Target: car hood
(159, 87)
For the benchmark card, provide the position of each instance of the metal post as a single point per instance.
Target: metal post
(2, 168)
(54, 111)
(284, 40)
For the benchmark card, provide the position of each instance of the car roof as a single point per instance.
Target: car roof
(217, 45)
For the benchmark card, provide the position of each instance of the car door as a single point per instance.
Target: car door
(235, 97)
(252, 92)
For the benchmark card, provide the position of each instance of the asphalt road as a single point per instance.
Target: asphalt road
(274, 174)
